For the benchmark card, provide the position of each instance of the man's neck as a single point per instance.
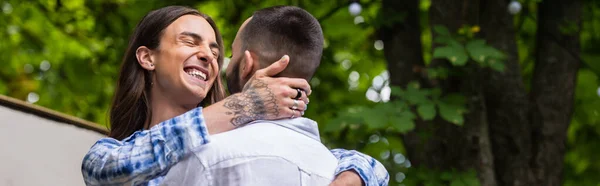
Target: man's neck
(164, 108)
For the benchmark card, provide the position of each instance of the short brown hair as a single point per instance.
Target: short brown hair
(276, 31)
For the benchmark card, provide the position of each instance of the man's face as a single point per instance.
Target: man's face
(235, 83)
(186, 60)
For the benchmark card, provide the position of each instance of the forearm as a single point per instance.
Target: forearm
(240, 109)
(145, 154)
(348, 178)
(371, 171)
(218, 118)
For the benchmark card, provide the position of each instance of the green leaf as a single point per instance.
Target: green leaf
(475, 43)
(441, 30)
(451, 113)
(480, 52)
(415, 96)
(352, 115)
(403, 126)
(455, 54)
(442, 39)
(452, 107)
(439, 72)
(495, 53)
(496, 65)
(397, 91)
(454, 98)
(476, 49)
(426, 111)
(407, 114)
(455, 43)
(376, 118)
(404, 122)
(398, 106)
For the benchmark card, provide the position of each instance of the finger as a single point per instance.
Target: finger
(293, 93)
(300, 105)
(274, 68)
(303, 96)
(286, 113)
(296, 83)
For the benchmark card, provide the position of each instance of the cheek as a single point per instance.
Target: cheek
(214, 68)
(168, 61)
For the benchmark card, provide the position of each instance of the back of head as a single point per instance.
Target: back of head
(276, 31)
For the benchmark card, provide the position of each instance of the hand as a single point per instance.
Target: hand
(347, 178)
(268, 98)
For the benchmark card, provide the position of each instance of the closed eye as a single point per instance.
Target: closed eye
(189, 42)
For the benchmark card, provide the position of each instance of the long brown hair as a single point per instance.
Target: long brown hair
(131, 107)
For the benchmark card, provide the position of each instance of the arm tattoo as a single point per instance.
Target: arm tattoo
(256, 102)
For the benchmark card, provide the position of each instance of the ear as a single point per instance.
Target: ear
(249, 64)
(144, 58)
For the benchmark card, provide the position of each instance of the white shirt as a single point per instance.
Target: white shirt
(284, 152)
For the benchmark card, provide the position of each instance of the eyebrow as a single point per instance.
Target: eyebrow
(199, 38)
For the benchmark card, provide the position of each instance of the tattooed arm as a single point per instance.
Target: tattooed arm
(263, 98)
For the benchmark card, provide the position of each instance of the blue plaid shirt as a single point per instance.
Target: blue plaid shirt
(145, 157)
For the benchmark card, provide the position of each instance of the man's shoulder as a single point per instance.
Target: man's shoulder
(264, 139)
(260, 138)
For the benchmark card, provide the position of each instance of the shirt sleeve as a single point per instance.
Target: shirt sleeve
(145, 154)
(371, 171)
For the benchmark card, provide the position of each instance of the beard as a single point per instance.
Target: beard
(233, 79)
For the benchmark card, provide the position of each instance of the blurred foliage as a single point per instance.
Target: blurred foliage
(464, 47)
(65, 55)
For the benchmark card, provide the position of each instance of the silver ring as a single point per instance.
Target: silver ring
(293, 113)
(295, 107)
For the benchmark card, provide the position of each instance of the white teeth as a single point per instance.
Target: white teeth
(196, 73)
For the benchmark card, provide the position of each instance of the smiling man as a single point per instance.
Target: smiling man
(284, 152)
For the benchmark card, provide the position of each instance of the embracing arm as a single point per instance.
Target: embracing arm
(145, 154)
(353, 164)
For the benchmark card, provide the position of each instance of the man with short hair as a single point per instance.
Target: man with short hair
(285, 152)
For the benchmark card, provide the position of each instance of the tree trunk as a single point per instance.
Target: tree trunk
(506, 99)
(403, 49)
(553, 86)
(404, 55)
(468, 147)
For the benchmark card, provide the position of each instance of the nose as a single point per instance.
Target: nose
(205, 55)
